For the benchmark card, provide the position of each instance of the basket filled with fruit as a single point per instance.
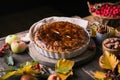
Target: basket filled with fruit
(109, 13)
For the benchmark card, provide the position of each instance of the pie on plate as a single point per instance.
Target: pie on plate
(59, 37)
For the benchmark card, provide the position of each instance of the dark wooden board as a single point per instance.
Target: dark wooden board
(85, 57)
(80, 72)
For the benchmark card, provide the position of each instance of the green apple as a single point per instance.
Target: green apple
(10, 38)
(18, 46)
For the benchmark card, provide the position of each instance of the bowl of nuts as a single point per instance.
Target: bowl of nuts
(112, 45)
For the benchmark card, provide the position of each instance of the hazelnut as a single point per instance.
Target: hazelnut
(115, 39)
(112, 40)
(116, 46)
(106, 41)
(108, 46)
(117, 42)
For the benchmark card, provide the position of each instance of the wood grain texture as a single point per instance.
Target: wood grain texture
(81, 72)
(80, 59)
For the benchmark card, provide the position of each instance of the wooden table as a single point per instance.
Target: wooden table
(81, 72)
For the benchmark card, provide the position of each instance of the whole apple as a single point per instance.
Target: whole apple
(27, 77)
(18, 46)
(10, 38)
(54, 77)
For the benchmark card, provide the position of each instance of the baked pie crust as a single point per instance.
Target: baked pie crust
(60, 37)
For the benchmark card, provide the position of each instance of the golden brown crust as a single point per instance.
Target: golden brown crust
(60, 37)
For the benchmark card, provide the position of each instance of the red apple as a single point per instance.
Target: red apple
(10, 38)
(18, 46)
(54, 77)
(27, 77)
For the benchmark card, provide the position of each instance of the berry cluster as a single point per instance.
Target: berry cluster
(106, 10)
(3, 48)
(37, 66)
(111, 75)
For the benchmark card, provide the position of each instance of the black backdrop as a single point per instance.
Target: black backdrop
(69, 7)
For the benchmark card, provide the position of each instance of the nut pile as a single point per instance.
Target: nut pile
(112, 43)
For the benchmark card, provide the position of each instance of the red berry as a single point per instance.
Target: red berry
(107, 74)
(36, 66)
(6, 44)
(92, 47)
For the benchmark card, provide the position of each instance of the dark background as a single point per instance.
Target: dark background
(19, 15)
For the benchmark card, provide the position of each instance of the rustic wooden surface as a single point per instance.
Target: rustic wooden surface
(80, 59)
(81, 72)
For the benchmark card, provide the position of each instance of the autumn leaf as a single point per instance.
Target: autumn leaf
(9, 74)
(93, 31)
(27, 69)
(118, 68)
(99, 75)
(108, 61)
(1, 78)
(65, 76)
(64, 66)
(9, 60)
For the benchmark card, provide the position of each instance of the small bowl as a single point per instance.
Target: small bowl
(116, 52)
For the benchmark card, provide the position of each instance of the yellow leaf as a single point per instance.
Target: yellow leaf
(8, 75)
(64, 66)
(65, 76)
(118, 68)
(93, 31)
(99, 75)
(27, 69)
(112, 31)
(108, 61)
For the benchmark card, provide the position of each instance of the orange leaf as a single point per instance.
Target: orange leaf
(118, 68)
(99, 75)
(108, 61)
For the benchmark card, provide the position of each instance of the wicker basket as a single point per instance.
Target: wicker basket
(112, 22)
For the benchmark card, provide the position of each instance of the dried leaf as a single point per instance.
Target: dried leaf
(64, 76)
(101, 76)
(1, 78)
(108, 61)
(28, 69)
(118, 68)
(9, 74)
(9, 60)
(64, 66)
(93, 31)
